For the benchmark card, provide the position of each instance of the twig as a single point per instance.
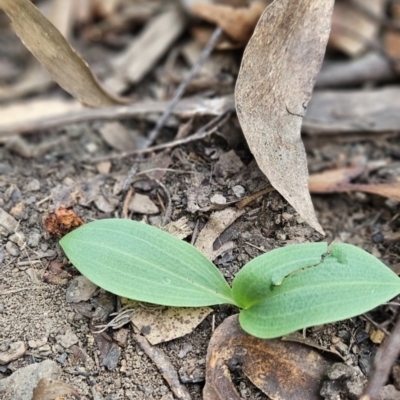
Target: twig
(383, 361)
(385, 22)
(182, 87)
(187, 108)
(199, 135)
(245, 202)
(12, 291)
(165, 367)
(256, 247)
(376, 325)
(127, 200)
(168, 211)
(178, 95)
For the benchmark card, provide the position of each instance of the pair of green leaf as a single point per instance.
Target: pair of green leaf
(279, 292)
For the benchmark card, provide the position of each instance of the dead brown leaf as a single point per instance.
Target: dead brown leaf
(49, 46)
(218, 222)
(237, 23)
(161, 324)
(353, 31)
(274, 86)
(282, 370)
(55, 274)
(48, 389)
(338, 180)
(62, 221)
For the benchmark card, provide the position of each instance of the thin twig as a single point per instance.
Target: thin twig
(165, 367)
(182, 87)
(12, 291)
(199, 135)
(177, 97)
(374, 17)
(383, 361)
(376, 325)
(168, 211)
(245, 202)
(187, 108)
(127, 200)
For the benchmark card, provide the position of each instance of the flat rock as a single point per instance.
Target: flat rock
(68, 339)
(7, 221)
(80, 289)
(15, 350)
(20, 385)
(142, 204)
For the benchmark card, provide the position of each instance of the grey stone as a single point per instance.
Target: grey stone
(33, 186)
(13, 352)
(7, 221)
(68, 339)
(80, 289)
(33, 239)
(12, 249)
(20, 385)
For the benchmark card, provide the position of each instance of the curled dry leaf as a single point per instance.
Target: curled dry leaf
(338, 180)
(274, 86)
(267, 363)
(48, 45)
(62, 221)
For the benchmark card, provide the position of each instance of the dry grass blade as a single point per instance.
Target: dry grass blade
(47, 44)
(274, 86)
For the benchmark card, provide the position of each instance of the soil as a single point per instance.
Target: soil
(31, 310)
(34, 308)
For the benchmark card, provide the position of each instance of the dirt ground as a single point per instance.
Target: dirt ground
(33, 311)
(70, 168)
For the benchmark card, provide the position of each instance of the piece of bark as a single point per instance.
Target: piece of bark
(373, 67)
(354, 111)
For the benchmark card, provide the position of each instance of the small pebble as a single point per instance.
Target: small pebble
(12, 249)
(62, 358)
(18, 238)
(33, 239)
(33, 186)
(377, 237)
(239, 191)
(1, 308)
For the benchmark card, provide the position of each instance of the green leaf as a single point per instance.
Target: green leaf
(258, 277)
(143, 263)
(347, 282)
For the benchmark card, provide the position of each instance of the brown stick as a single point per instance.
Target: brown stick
(383, 361)
(186, 108)
(165, 367)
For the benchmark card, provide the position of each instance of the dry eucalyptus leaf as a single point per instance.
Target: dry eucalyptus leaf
(48, 45)
(338, 181)
(282, 370)
(161, 324)
(274, 86)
